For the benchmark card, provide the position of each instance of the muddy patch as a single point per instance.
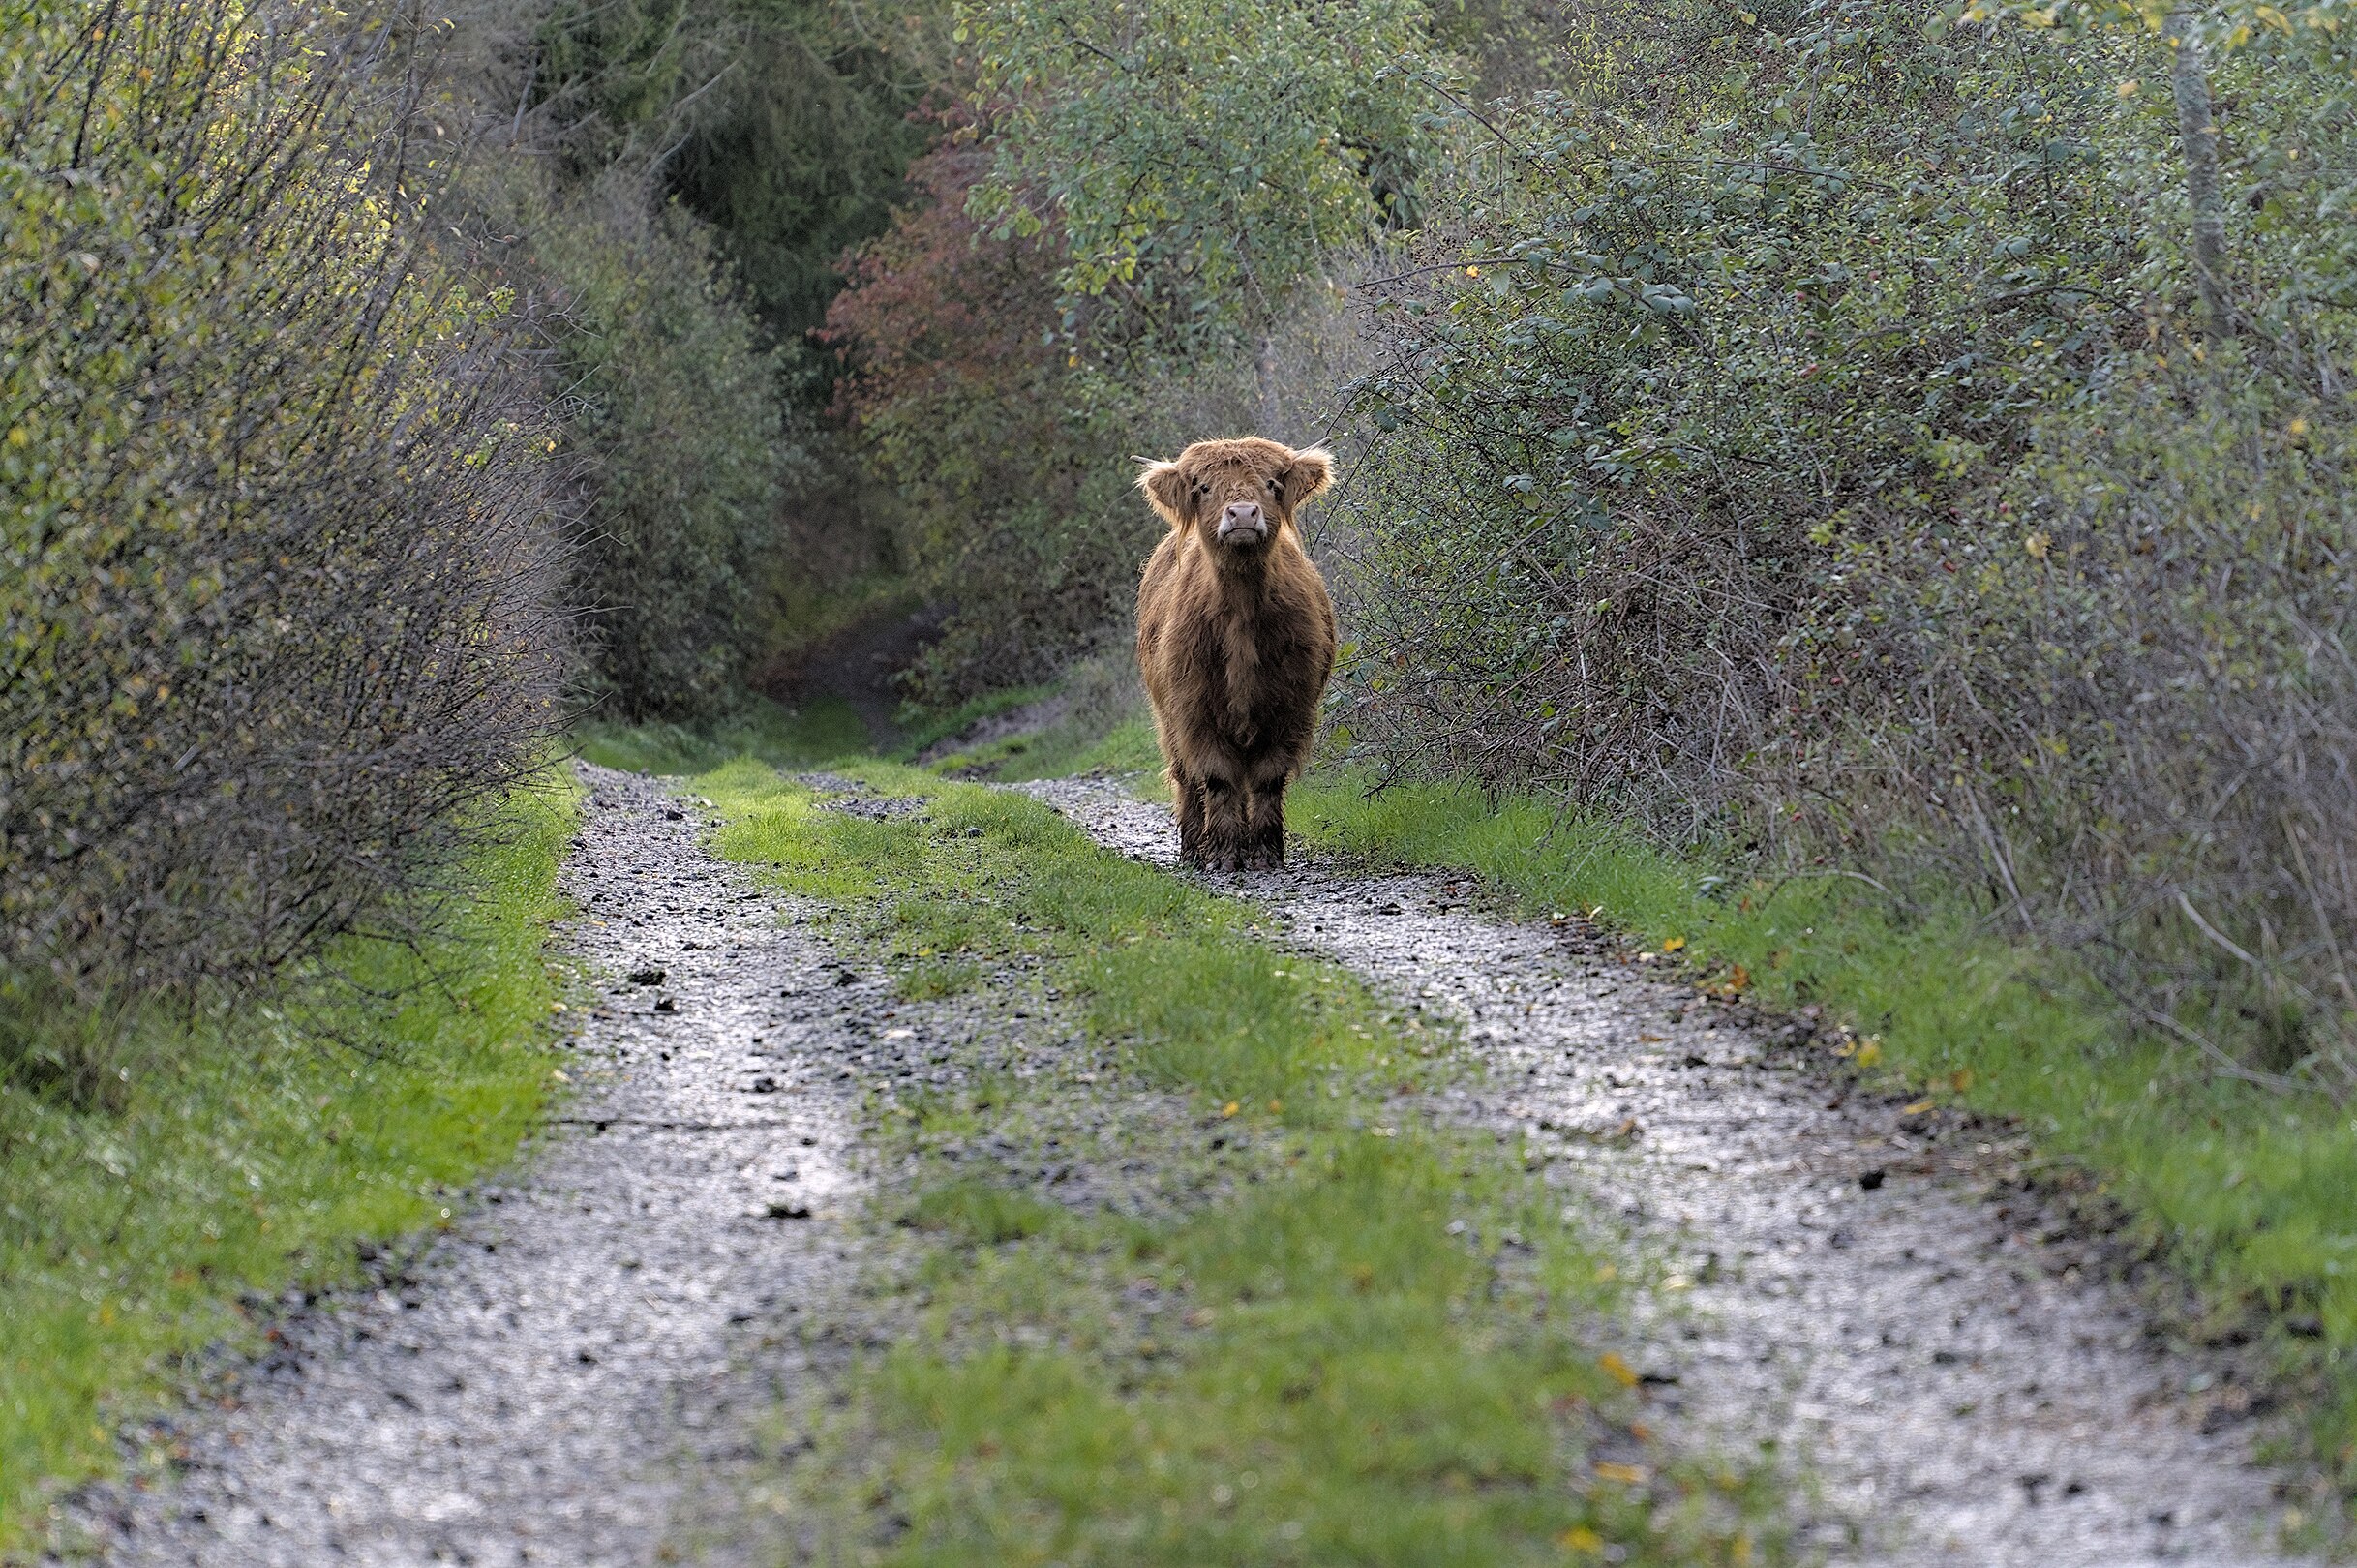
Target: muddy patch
(1842, 1284)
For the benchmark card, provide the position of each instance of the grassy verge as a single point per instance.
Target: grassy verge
(2255, 1195)
(245, 1155)
(1296, 1323)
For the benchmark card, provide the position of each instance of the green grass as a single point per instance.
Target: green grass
(2254, 1194)
(245, 1155)
(821, 731)
(1382, 1341)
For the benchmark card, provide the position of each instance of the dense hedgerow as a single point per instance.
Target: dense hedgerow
(1805, 434)
(276, 557)
(673, 406)
(963, 400)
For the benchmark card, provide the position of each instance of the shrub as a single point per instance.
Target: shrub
(673, 407)
(1802, 436)
(1009, 467)
(277, 566)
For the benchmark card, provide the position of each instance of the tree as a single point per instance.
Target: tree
(1203, 157)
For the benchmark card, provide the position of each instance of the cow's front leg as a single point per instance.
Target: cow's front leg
(1264, 826)
(1187, 805)
(1225, 801)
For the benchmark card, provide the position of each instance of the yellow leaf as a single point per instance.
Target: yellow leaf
(1917, 1110)
(1739, 979)
(1618, 1369)
(2271, 18)
(2130, 88)
(1870, 1052)
(1580, 1538)
(1961, 1079)
(1627, 1474)
(1230, 1108)
(2038, 544)
(1673, 944)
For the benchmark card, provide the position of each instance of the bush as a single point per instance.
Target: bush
(673, 407)
(1017, 505)
(1802, 436)
(276, 596)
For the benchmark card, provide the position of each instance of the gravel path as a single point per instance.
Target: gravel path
(1863, 1289)
(574, 1374)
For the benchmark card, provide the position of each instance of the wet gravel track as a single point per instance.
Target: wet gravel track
(575, 1374)
(579, 1372)
(1958, 1383)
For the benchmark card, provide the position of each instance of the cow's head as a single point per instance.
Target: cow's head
(1237, 495)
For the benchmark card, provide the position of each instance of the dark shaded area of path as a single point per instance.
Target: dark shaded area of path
(859, 666)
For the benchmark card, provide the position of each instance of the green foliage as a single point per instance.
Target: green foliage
(676, 416)
(1014, 510)
(784, 124)
(798, 164)
(2247, 1193)
(1800, 441)
(276, 572)
(1200, 158)
(248, 1149)
(1382, 1353)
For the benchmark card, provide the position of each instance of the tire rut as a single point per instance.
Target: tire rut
(1955, 1384)
(576, 1372)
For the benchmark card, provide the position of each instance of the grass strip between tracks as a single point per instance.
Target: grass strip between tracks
(249, 1152)
(1383, 1342)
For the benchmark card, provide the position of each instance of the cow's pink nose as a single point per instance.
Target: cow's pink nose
(1241, 515)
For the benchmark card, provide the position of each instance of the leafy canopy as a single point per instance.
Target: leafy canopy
(1201, 156)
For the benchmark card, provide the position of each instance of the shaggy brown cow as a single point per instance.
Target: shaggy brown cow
(1235, 639)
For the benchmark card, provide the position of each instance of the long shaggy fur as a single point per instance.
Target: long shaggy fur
(1235, 640)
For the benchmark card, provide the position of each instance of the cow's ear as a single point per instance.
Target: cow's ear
(1165, 490)
(1311, 470)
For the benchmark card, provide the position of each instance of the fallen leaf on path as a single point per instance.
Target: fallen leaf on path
(1618, 1369)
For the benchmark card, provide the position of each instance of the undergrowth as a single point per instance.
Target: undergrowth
(1356, 1337)
(252, 1150)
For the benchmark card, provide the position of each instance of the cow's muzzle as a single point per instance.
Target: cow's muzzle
(1243, 523)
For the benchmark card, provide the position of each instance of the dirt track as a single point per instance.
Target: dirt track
(579, 1372)
(1838, 1280)
(584, 1359)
